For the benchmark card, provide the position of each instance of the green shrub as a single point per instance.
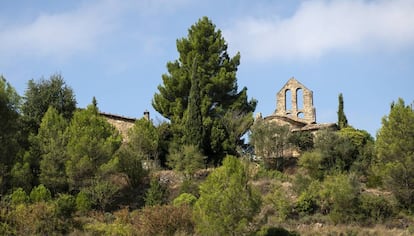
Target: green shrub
(101, 228)
(19, 196)
(270, 174)
(280, 202)
(375, 209)
(338, 196)
(156, 194)
(301, 183)
(227, 201)
(40, 194)
(83, 203)
(65, 205)
(311, 161)
(102, 193)
(185, 199)
(306, 203)
(186, 159)
(38, 219)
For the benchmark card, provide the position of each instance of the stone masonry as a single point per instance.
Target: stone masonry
(299, 116)
(300, 112)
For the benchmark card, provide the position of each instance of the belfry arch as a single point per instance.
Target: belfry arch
(299, 108)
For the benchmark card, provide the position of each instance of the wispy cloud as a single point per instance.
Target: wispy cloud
(63, 34)
(321, 26)
(59, 34)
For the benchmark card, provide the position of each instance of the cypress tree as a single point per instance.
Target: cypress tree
(194, 123)
(342, 121)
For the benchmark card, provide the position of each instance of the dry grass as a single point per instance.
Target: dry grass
(333, 230)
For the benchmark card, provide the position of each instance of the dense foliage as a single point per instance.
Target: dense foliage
(199, 95)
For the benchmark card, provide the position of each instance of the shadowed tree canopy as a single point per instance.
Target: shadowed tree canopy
(9, 128)
(204, 67)
(43, 94)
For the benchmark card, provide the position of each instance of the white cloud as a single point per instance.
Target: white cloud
(321, 26)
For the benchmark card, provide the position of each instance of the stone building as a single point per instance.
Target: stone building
(121, 123)
(294, 107)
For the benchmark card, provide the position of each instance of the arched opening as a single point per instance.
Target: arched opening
(301, 115)
(299, 99)
(288, 100)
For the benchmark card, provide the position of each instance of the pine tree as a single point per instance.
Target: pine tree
(216, 75)
(227, 201)
(52, 144)
(92, 142)
(342, 121)
(9, 129)
(395, 152)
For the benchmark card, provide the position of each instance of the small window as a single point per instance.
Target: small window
(301, 115)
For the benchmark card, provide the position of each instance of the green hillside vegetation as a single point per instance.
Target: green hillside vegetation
(66, 170)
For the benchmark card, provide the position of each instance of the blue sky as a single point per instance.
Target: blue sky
(117, 50)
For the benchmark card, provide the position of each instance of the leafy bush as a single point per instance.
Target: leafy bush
(301, 183)
(38, 219)
(280, 202)
(311, 161)
(187, 159)
(156, 194)
(102, 192)
(376, 209)
(19, 196)
(40, 193)
(227, 201)
(338, 196)
(83, 203)
(65, 205)
(306, 203)
(185, 199)
(163, 220)
(270, 174)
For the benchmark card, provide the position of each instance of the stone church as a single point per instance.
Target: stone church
(294, 107)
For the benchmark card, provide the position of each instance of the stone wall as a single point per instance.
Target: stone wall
(121, 123)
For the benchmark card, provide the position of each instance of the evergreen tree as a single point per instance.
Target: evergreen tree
(143, 139)
(142, 145)
(227, 201)
(9, 129)
(342, 121)
(215, 71)
(194, 123)
(92, 142)
(52, 144)
(395, 152)
(40, 95)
